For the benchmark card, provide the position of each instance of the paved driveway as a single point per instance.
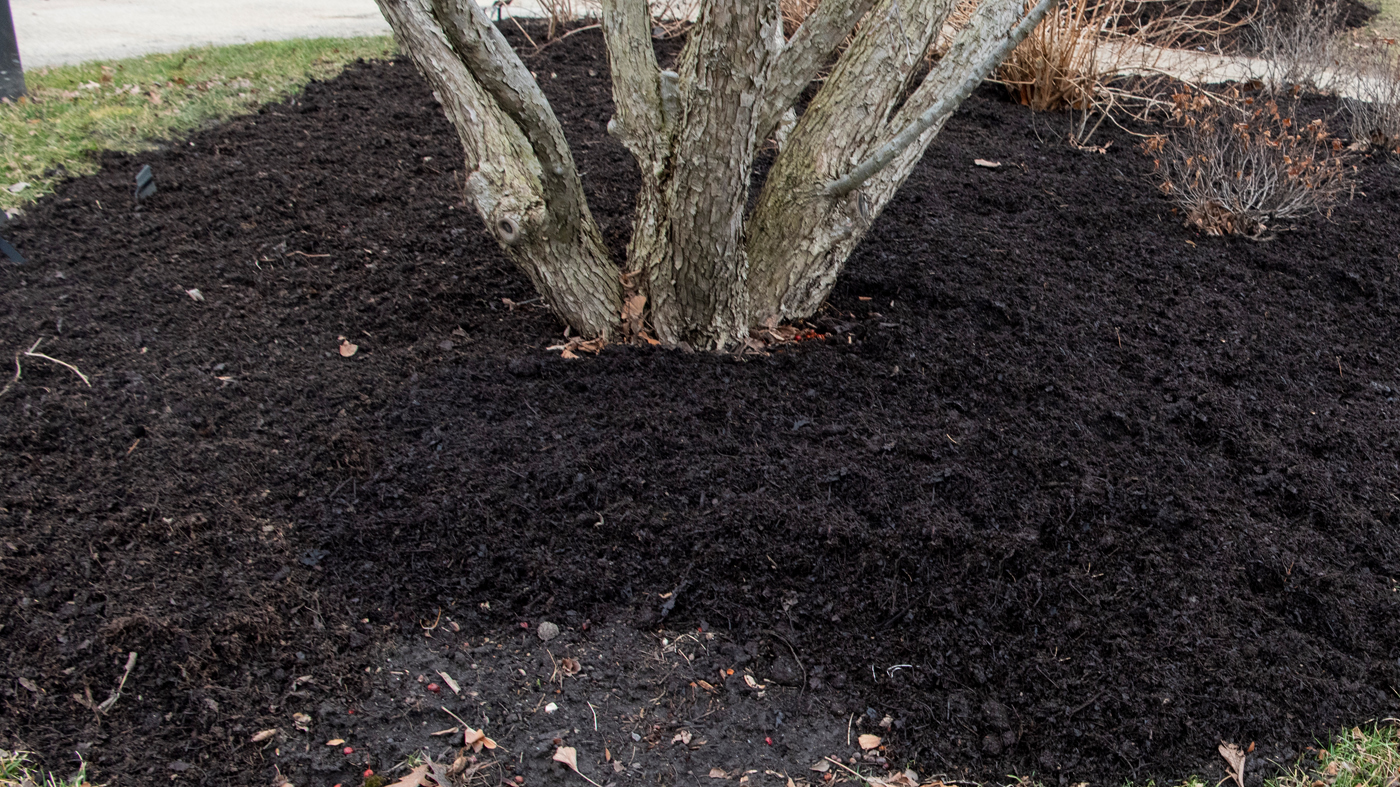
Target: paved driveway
(54, 32)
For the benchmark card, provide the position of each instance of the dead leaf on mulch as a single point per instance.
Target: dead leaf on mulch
(682, 737)
(418, 777)
(259, 737)
(477, 739)
(1235, 758)
(594, 346)
(981, 162)
(718, 773)
(451, 684)
(894, 780)
(868, 742)
(569, 756)
(346, 348)
(570, 666)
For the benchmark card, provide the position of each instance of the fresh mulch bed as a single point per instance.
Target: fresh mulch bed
(1107, 490)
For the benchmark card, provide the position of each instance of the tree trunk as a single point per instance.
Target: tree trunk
(801, 233)
(521, 175)
(707, 271)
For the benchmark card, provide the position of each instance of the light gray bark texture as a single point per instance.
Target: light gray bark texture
(709, 268)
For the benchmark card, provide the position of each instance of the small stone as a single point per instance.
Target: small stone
(547, 631)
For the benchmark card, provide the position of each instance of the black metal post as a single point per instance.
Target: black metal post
(11, 72)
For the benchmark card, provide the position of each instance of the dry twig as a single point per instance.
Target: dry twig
(30, 353)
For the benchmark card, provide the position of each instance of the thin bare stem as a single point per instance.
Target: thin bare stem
(14, 379)
(30, 352)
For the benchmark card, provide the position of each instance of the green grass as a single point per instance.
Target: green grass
(1368, 757)
(71, 113)
(17, 769)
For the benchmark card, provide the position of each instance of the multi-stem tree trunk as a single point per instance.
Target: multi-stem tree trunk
(706, 267)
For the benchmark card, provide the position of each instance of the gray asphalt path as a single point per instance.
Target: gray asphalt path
(56, 32)
(59, 32)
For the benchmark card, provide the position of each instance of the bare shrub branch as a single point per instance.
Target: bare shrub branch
(1298, 49)
(1105, 58)
(1235, 167)
(1373, 106)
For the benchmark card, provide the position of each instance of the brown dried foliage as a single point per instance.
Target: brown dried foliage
(1067, 61)
(1237, 166)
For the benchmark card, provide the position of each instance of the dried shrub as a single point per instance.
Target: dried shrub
(1298, 49)
(1057, 66)
(1373, 106)
(794, 11)
(673, 17)
(1069, 60)
(1238, 166)
(558, 13)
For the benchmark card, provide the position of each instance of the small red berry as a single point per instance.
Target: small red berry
(349, 750)
(369, 772)
(768, 741)
(434, 688)
(524, 625)
(351, 711)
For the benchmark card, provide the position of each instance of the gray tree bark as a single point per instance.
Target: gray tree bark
(521, 175)
(707, 271)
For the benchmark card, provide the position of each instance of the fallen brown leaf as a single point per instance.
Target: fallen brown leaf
(451, 684)
(570, 666)
(569, 756)
(418, 777)
(981, 162)
(1235, 758)
(718, 773)
(335, 742)
(868, 742)
(477, 739)
(259, 737)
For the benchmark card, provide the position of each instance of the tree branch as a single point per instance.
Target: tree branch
(807, 51)
(636, 79)
(946, 102)
(496, 67)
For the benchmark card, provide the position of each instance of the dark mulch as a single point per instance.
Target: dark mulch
(1110, 491)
